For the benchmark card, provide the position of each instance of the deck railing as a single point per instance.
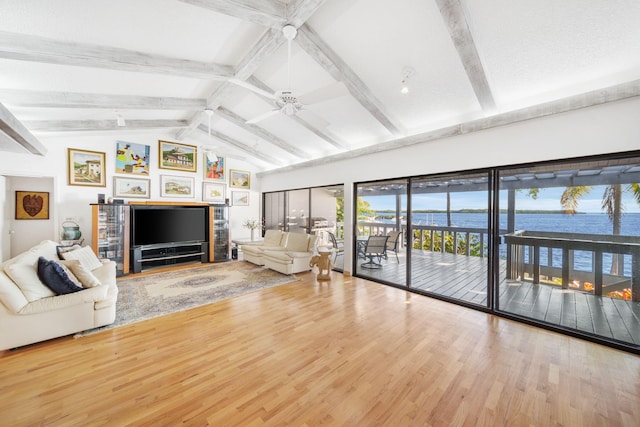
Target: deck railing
(518, 264)
(466, 240)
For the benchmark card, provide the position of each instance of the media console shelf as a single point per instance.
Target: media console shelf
(168, 233)
(148, 257)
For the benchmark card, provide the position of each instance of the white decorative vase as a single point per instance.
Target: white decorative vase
(253, 234)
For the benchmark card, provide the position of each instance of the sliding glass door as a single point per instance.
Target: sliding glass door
(570, 252)
(381, 211)
(450, 236)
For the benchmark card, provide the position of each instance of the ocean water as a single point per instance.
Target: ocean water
(590, 223)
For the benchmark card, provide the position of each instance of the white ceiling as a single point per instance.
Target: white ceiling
(472, 60)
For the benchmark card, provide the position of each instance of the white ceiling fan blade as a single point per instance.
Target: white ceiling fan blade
(313, 119)
(334, 90)
(262, 116)
(253, 88)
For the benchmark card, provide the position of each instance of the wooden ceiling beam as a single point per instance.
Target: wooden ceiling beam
(11, 130)
(40, 49)
(263, 12)
(302, 10)
(315, 47)
(235, 119)
(99, 125)
(576, 102)
(240, 146)
(456, 22)
(44, 99)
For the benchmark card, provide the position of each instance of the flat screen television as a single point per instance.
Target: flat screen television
(160, 225)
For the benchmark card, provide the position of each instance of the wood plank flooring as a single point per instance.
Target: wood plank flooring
(465, 278)
(343, 353)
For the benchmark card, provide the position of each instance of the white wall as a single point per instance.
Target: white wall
(4, 221)
(27, 233)
(609, 128)
(74, 201)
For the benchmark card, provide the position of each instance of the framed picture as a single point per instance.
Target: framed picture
(131, 187)
(32, 205)
(132, 158)
(240, 198)
(214, 169)
(86, 168)
(213, 192)
(180, 157)
(176, 186)
(240, 179)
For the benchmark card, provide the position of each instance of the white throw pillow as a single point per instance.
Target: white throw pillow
(25, 276)
(87, 279)
(86, 257)
(69, 273)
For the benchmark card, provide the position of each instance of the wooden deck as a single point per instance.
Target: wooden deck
(465, 278)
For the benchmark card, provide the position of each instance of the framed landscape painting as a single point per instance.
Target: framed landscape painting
(213, 192)
(215, 170)
(86, 168)
(32, 205)
(173, 155)
(131, 187)
(240, 198)
(240, 179)
(132, 158)
(176, 186)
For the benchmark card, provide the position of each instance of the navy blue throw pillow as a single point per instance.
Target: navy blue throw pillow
(51, 274)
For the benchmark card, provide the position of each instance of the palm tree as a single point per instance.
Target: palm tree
(611, 204)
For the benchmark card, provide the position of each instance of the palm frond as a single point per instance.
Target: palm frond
(635, 191)
(571, 197)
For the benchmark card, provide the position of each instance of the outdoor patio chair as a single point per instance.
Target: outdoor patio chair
(393, 244)
(338, 245)
(375, 249)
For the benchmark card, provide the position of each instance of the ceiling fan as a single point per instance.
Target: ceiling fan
(287, 101)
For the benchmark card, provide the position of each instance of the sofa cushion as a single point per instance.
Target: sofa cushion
(273, 237)
(54, 277)
(25, 276)
(86, 257)
(61, 249)
(106, 274)
(86, 277)
(297, 242)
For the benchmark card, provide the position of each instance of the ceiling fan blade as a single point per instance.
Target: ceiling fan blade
(262, 116)
(334, 90)
(253, 88)
(313, 119)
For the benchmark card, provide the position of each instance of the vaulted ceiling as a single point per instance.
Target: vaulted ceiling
(75, 66)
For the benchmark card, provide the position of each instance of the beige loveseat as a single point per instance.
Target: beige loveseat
(294, 257)
(273, 240)
(31, 312)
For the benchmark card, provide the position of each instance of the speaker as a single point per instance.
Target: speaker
(101, 198)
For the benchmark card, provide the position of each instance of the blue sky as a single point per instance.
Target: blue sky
(548, 199)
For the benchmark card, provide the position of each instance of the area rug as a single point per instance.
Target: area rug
(152, 295)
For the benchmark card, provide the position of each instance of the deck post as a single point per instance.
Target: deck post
(635, 276)
(536, 264)
(565, 268)
(597, 271)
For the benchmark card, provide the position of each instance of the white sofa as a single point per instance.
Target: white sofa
(295, 256)
(273, 240)
(31, 312)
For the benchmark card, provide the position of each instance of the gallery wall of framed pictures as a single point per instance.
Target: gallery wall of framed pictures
(134, 175)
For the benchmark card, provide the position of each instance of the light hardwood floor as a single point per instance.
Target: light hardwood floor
(346, 352)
